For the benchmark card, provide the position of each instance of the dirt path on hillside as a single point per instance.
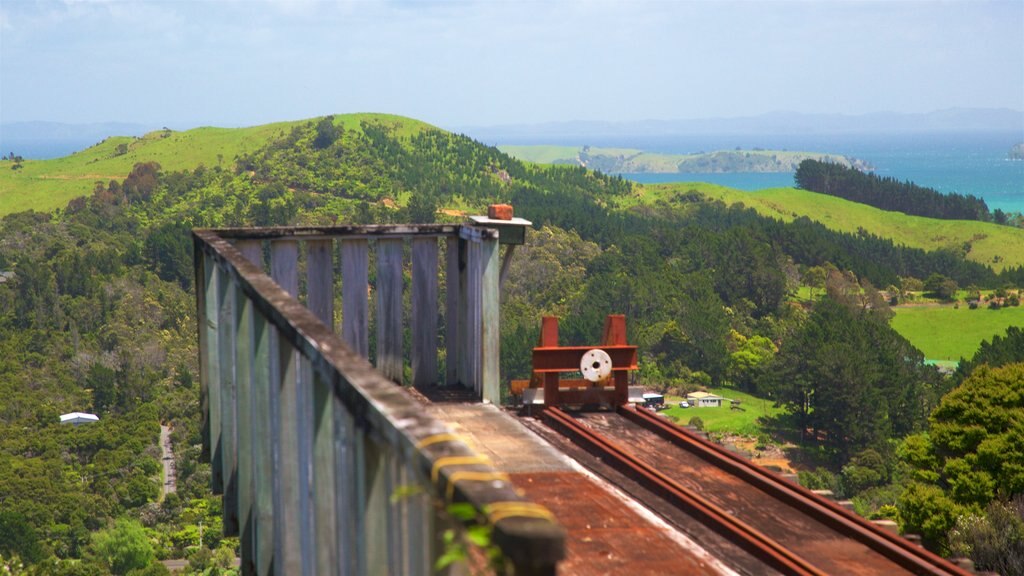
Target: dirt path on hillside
(167, 458)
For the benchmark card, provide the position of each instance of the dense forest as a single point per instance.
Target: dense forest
(96, 314)
(891, 194)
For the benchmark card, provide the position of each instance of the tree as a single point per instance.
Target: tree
(422, 208)
(814, 277)
(124, 547)
(972, 455)
(849, 375)
(19, 538)
(326, 133)
(941, 287)
(978, 432)
(141, 181)
(748, 359)
(994, 540)
(925, 510)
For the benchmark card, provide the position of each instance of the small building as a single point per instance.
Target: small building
(704, 400)
(654, 401)
(76, 418)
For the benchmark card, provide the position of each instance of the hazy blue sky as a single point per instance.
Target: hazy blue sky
(461, 63)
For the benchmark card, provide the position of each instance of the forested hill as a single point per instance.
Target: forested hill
(891, 194)
(45, 185)
(96, 312)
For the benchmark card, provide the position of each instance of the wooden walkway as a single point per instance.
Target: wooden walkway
(608, 532)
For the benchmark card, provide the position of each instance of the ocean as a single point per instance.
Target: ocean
(972, 163)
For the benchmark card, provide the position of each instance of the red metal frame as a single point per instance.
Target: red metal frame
(551, 360)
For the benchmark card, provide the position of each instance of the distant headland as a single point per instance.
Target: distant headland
(632, 161)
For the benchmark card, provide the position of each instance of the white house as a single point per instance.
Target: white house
(704, 400)
(76, 418)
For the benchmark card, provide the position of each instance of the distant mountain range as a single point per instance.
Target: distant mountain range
(55, 139)
(777, 123)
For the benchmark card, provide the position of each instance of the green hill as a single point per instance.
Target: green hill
(986, 243)
(45, 185)
(631, 160)
(962, 330)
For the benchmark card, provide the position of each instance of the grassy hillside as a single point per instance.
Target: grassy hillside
(996, 246)
(634, 160)
(962, 329)
(744, 421)
(45, 185)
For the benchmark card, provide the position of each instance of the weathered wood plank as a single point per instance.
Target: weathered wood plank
(324, 481)
(452, 343)
(252, 251)
(474, 306)
(389, 308)
(464, 317)
(263, 454)
(304, 405)
(424, 312)
(490, 319)
(375, 506)
(347, 508)
(320, 281)
(418, 519)
(246, 480)
(228, 402)
(288, 557)
(211, 373)
(355, 314)
(320, 301)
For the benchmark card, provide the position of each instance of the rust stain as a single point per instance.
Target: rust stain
(605, 537)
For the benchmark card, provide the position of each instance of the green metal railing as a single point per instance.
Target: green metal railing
(325, 464)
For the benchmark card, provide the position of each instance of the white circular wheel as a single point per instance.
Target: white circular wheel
(596, 365)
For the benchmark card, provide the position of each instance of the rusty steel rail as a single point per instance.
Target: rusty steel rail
(908, 556)
(719, 520)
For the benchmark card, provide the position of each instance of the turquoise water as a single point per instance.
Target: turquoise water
(964, 163)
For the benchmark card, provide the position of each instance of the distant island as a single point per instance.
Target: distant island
(1017, 152)
(632, 161)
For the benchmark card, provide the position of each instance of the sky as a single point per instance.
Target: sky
(491, 62)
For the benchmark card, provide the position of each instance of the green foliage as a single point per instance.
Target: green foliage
(865, 470)
(888, 193)
(18, 538)
(993, 540)
(927, 511)
(846, 374)
(973, 454)
(818, 479)
(326, 133)
(978, 435)
(748, 358)
(124, 547)
(988, 242)
(1000, 351)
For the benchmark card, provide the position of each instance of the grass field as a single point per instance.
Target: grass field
(945, 333)
(996, 246)
(743, 421)
(45, 185)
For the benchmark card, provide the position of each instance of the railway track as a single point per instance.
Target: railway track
(784, 526)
